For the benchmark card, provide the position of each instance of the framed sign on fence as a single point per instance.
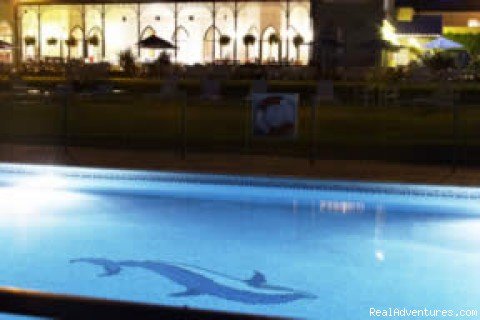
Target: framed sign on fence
(274, 115)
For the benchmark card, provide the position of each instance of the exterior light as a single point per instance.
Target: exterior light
(473, 23)
(388, 32)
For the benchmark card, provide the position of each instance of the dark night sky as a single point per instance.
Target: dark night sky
(460, 5)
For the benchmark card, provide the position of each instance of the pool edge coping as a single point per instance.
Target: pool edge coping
(294, 183)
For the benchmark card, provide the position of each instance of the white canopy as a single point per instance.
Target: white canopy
(442, 43)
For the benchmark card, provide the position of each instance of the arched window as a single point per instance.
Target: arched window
(270, 45)
(251, 49)
(147, 32)
(181, 38)
(5, 31)
(75, 43)
(211, 44)
(94, 44)
(148, 54)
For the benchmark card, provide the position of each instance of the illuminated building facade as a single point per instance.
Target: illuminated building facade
(458, 16)
(6, 29)
(202, 31)
(332, 32)
(418, 22)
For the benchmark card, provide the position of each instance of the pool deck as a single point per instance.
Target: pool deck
(241, 164)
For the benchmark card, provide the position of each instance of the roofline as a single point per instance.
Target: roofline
(80, 2)
(432, 8)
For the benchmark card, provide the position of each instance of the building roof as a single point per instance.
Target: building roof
(440, 5)
(428, 25)
(48, 2)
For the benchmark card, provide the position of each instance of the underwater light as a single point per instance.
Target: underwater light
(30, 196)
(44, 181)
(380, 255)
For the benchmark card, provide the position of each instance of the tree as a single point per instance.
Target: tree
(248, 40)
(94, 40)
(224, 41)
(470, 41)
(273, 39)
(71, 42)
(30, 41)
(297, 42)
(52, 41)
(127, 62)
(439, 61)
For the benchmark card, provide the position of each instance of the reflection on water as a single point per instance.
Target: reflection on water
(344, 207)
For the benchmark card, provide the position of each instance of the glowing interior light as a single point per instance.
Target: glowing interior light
(473, 23)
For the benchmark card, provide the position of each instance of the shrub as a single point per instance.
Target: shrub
(127, 62)
(94, 40)
(439, 61)
(163, 59)
(249, 40)
(52, 41)
(224, 40)
(298, 41)
(71, 42)
(30, 41)
(273, 39)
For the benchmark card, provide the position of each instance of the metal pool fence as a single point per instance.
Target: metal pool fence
(376, 125)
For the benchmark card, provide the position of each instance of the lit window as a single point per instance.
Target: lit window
(473, 23)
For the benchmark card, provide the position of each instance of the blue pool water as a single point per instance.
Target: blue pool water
(285, 247)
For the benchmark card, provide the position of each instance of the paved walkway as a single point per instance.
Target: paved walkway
(240, 164)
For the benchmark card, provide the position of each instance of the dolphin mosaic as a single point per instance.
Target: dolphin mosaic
(200, 281)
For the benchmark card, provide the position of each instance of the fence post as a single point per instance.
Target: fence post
(10, 125)
(313, 131)
(247, 127)
(183, 126)
(455, 118)
(65, 122)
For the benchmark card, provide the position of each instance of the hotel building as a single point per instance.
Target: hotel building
(203, 31)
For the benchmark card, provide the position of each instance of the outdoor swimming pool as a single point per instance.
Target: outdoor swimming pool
(283, 247)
